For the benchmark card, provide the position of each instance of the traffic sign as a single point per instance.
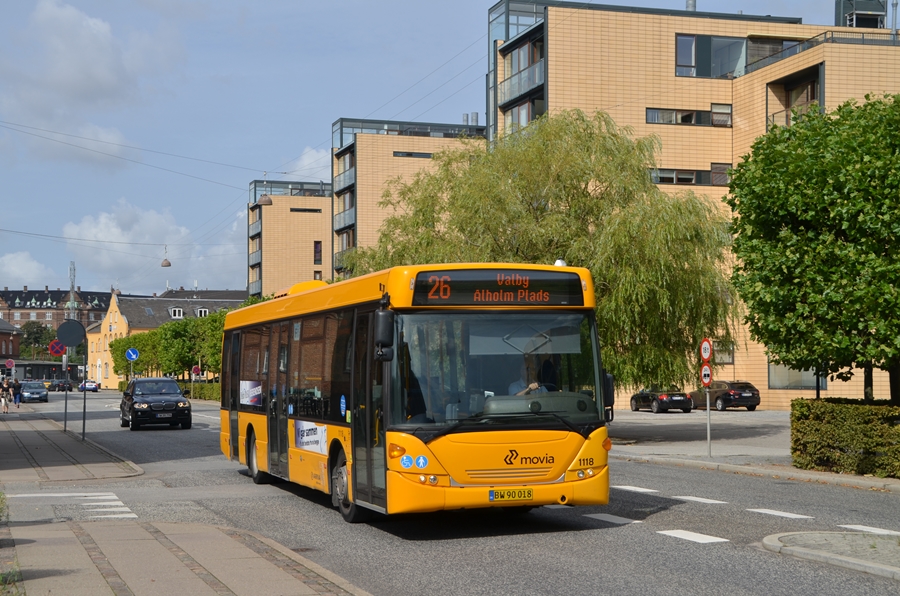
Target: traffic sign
(705, 349)
(71, 333)
(196, 370)
(10, 363)
(131, 354)
(706, 375)
(56, 348)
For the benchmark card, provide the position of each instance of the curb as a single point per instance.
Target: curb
(798, 475)
(773, 543)
(315, 567)
(139, 471)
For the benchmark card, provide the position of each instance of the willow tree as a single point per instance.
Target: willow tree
(577, 187)
(818, 238)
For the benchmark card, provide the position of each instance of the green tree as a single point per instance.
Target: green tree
(178, 346)
(147, 345)
(36, 337)
(818, 206)
(575, 186)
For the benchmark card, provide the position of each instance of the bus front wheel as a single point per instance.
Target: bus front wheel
(340, 492)
(253, 462)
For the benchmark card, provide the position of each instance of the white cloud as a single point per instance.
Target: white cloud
(124, 248)
(20, 269)
(311, 166)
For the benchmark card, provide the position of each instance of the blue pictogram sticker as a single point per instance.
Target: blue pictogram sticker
(490, 495)
(343, 405)
(421, 462)
(406, 461)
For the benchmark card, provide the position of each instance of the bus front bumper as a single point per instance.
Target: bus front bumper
(407, 494)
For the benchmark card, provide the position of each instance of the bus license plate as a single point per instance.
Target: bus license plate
(513, 494)
(166, 415)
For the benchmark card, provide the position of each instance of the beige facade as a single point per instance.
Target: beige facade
(369, 153)
(289, 234)
(690, 79)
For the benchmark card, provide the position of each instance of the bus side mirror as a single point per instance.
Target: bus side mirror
(609, 395)
(384, 335)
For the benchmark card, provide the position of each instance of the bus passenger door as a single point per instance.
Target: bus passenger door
(234, 391)
(277, 401)
(368, 432)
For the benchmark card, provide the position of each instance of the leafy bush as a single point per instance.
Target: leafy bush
(122, 386)
(846, 436)
(207, 391)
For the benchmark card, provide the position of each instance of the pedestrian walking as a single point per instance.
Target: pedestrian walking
(17, 392)
(5, 395)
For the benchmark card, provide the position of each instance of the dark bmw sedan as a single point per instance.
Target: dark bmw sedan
(154, 401)
(660, 399)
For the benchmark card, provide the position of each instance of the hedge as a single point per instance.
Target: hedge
(208, 391)
(846, 436)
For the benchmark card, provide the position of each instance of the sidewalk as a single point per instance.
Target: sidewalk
(676, 441)
(128, 556)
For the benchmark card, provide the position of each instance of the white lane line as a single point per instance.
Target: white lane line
(693, 536)
(205, 416)
(613, 519)
(558, 507)
(781, 513)
(110, 509)
(701, 500)
(636, 489)
(109, 496)
(98, 495)
(872, 530)
(110, 503)
(115, 515)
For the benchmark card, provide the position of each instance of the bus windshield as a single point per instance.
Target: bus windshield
(464, 372)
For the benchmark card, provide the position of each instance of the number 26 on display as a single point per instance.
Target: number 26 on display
(440, 288)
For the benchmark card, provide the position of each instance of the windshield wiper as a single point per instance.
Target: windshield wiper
(449, 429)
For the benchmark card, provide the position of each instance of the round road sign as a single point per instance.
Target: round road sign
(705, 375)
(70, 333)
(10, 363)
(56, 348)
(131, 354)
(196, 370)
(705, 349)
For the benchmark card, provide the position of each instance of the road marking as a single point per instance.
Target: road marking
(872, 530)
(106, 496)
(613, 519)
(87, 495)
(558, 507)
(205, 416)
(108, 503)
(693, 536)
(636, 489)
(108, 509)
(781, 513)
(116, 515)
(701, 500)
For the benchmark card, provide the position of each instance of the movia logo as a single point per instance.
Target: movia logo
(528, 460)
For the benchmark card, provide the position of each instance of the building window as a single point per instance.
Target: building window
(4, 348)
(177, 313)
(721, 114)
(33, 316)
(17, 316)
(346, 201)
(92, 347)
(690, 177)
(709, 56)
(90, 316)
(106, 370)
(48, 316)
(413, 154)
(317, 275)
(317, 252)
(719, 174)
(782, 377)
(346, 239)
(669, 116)
(522, 114)
(685, 56)
(723, 352)
(202, 312)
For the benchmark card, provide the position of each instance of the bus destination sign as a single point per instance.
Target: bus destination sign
(497, 287)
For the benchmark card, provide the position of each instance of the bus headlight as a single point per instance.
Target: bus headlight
(432, 479)
(580, 473)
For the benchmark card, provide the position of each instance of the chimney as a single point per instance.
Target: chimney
(465, 119)
(154, 294)
(691, 6)
(24, 288)
(78, 289)
(46, 288)
(474, 119)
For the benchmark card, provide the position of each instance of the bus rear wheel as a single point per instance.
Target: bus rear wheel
(340, 492)
(253, 463)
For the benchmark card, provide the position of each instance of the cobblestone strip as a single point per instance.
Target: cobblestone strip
(286, 564)
(188, 561)
(116, 583)
(37, 468)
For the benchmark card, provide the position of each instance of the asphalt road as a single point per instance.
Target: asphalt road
(644, 542)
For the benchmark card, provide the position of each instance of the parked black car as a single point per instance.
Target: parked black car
(661, 400)
(59, 385)
(154, 401)
(728, 394)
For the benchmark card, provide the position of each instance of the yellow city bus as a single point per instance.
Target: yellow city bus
(423, 388)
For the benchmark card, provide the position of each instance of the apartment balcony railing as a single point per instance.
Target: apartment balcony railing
(255, 288)
(344, 179)
(345, 219)
(256, 228)
(520, 83)
(787, 117)
(255, 258)
(339, 258)
(865, 39)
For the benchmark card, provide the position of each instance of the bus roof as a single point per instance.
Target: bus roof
(400, 283)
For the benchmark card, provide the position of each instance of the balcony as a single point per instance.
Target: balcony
(521, 83)
(256, 288)
(864, 39)
(255, 258)
(345, 219)
(787, 117)
(339, 258)
(344, 179)
(255, 228)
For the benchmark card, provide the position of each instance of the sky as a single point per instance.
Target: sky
(131, 129)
